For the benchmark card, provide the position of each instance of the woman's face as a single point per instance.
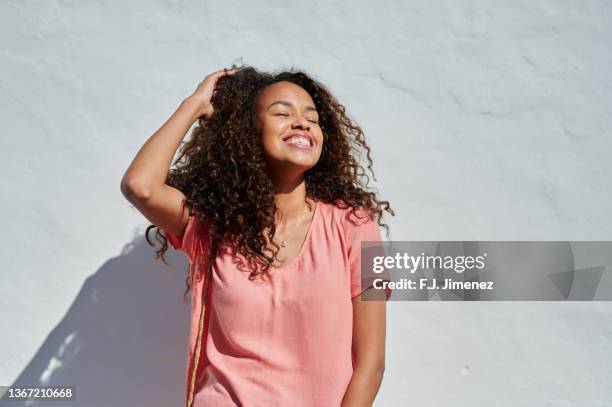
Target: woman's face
(289, 124)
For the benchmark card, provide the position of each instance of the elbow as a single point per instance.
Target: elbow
(379, 372)
(132, 189)
(374, 371)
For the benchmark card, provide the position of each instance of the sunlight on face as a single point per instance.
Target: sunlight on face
(289, 123)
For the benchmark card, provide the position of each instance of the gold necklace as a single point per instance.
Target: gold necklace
(283, 243)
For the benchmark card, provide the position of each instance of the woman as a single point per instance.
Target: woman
(268, 203)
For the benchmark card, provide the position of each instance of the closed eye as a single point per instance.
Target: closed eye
(285, 114)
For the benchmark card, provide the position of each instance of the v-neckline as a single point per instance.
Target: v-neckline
(304, 243)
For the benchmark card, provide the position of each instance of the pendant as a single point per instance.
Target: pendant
(283, 244)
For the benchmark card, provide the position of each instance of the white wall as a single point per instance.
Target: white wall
(489, 120)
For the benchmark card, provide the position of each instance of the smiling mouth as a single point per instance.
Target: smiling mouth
(304, 141)
(299, 144)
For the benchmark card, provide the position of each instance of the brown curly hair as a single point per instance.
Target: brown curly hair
(223, 177)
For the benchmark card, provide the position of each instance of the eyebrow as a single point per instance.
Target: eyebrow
(283, 102)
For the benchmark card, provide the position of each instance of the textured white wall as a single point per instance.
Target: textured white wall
(489, 120)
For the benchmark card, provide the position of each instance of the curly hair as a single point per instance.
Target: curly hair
(223, 175)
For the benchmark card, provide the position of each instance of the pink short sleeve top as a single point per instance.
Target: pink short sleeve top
(279, 342)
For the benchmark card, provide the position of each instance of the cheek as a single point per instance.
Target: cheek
(269, 141)
(320, 140)
(270, 130)
(270, 134)
(267, 135)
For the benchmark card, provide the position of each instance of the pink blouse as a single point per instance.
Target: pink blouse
(284, 342)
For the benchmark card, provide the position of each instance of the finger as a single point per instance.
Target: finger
(220, 73)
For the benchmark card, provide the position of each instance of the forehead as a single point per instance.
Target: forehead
(287, 91)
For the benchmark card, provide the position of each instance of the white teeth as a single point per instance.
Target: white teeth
(299, 140)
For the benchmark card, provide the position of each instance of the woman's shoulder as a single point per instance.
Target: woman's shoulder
(348, 216)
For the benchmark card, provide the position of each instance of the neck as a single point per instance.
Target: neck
(290, 197)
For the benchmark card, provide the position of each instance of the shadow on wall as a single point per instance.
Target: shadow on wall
(123, 342)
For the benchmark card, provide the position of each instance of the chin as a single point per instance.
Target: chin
(302, 161)
(304, 164)
(301, 164)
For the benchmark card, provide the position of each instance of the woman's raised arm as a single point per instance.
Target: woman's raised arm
(144, 182)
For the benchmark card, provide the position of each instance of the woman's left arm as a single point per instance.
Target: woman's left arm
(369, 332)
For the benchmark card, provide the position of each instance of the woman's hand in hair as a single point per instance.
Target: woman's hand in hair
(204, 92)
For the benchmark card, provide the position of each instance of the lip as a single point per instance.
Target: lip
(300, 133)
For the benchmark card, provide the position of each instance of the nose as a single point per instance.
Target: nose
(301, 122)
